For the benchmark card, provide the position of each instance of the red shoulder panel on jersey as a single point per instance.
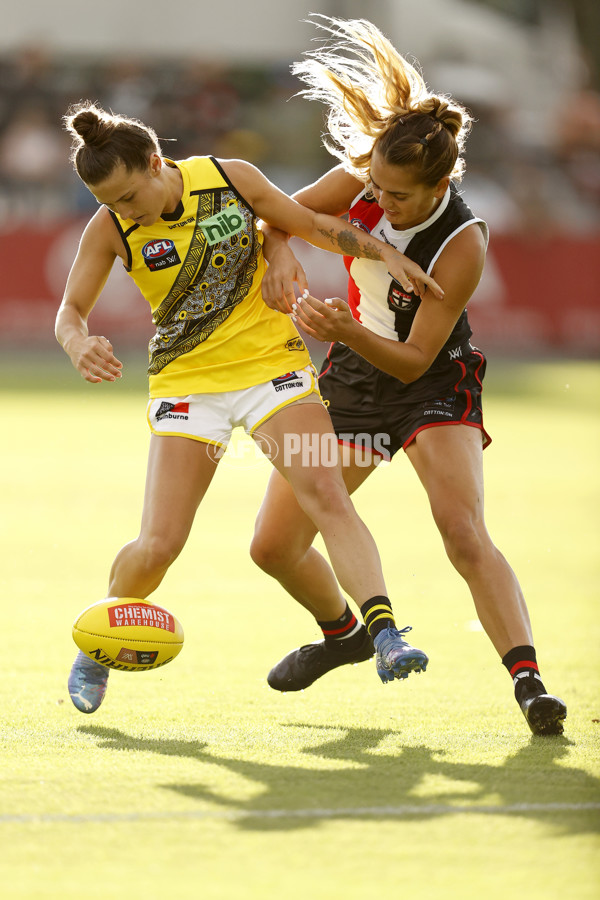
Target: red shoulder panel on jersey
(365, 214)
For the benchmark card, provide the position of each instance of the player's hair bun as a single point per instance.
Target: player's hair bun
(93, 129)
(102, 141)
(451, 117)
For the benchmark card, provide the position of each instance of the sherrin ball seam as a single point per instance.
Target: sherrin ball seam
(114, 637)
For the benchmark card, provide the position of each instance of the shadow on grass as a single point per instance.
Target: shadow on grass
(411, 783)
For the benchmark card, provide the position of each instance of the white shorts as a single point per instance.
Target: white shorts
(212, 417)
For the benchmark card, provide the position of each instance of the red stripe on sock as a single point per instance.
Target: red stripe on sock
(526, 664)
(347, 627)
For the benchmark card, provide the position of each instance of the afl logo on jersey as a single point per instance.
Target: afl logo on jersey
(160, 254)
(358, 223)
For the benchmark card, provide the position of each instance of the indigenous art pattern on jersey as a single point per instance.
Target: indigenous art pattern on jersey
(212, 280)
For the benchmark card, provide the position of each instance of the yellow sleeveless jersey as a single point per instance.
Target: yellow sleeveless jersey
(200, 269)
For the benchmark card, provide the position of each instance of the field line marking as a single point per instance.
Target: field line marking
(342, 812)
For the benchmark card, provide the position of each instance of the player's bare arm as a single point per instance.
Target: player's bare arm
(91, 355)
(331, 194)
(324, 231)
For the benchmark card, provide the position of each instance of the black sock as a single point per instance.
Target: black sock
(521, 664)
(345, 633)
(377, 614)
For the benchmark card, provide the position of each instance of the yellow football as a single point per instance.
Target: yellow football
(128, 634)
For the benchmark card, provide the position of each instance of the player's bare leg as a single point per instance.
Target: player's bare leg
(323, 500)
(448, 461)
(179, 473)
(319, 487)
(282, 546)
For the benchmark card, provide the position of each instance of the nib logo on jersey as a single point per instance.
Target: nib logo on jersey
(160, 254)
(168, 410)
(223, 225)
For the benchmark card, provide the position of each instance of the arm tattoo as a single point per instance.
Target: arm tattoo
(350, 245)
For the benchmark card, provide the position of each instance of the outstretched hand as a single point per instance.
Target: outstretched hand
(330, 320)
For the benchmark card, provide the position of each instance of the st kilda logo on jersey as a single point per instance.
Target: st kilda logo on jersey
(398, 299)
(160, 254)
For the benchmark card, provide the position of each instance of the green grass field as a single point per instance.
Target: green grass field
(197, 780)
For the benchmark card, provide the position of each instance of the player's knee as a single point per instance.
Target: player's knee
(466, 541)
(269, 554)
(324, 498)
(157, 552)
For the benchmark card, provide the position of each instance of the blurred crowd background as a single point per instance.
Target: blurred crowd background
(214, 82)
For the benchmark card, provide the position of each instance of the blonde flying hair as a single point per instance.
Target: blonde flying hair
(378, 100)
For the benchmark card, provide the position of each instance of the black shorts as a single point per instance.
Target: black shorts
(377, 412)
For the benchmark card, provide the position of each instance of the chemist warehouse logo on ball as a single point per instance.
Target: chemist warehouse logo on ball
(132, 614)
(160, 254)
